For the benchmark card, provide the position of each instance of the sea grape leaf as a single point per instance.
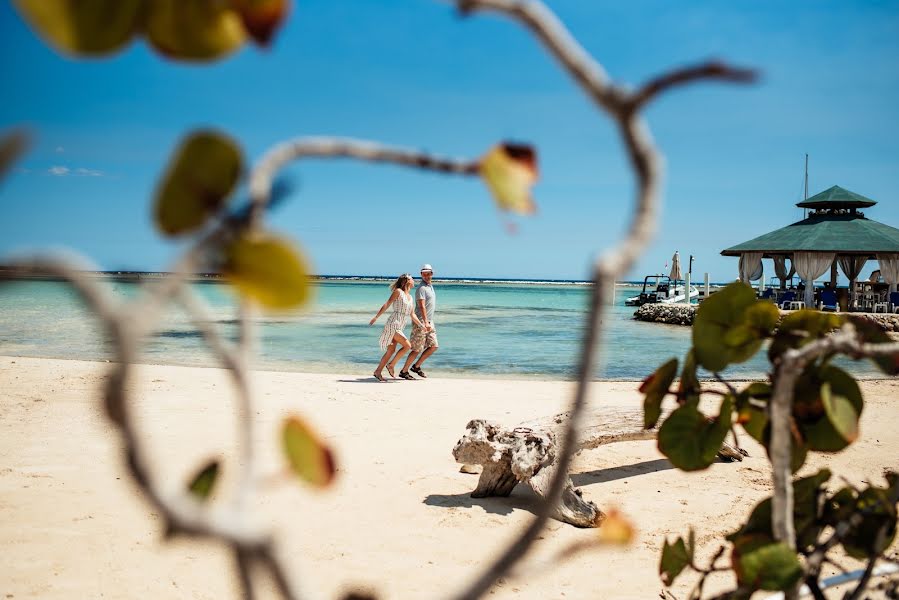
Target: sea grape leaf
(654, 388)
(261, 18)
(689, 389)
(616, 529)
(801, 327)
(675, 558)
(204, 481)
(806, 494)
(269, 270)
(193, 30)
(877, 529)
(752, 417)
(510, 170)
(690, 440)
(761, 563)
(828, 405)
(730, 326)
(197, 183)
(12, 146)
(873, 333)
(83, 27)
(307, 455)
(798, 447)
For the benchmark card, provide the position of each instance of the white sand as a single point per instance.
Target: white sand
(399, 520)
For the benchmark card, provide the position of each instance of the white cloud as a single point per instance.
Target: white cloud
(63, 171)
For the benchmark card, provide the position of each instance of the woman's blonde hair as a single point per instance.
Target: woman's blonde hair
(400, 282)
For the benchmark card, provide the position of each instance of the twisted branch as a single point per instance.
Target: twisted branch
(645, 160)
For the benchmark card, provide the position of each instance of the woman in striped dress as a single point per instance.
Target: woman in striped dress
(393, 335)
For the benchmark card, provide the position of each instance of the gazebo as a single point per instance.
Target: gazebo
(835, 232)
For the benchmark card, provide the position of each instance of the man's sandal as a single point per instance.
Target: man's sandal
(419, 372)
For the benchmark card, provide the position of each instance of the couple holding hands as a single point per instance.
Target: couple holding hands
(424, 335)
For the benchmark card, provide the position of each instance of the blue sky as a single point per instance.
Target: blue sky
(413, 73)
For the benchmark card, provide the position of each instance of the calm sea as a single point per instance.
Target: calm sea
(486, 329)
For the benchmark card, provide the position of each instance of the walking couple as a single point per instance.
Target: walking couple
(424, 335)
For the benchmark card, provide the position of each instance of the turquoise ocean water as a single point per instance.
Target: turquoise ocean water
(485, 329)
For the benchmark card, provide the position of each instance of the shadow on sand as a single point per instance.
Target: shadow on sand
(523, 498)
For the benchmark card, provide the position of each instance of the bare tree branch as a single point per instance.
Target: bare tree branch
(706, 71)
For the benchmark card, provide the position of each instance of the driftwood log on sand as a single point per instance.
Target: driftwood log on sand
(527, 454)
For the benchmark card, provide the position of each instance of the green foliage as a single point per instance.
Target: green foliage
(872, 334)
(807, 492)
(199, 179)
(83, 27)
(307, 455)
(876, 527)
(675, 558)
(827, 406)
(654, 389)
(204, 481)
(760, 563)
(730, 326)
(193, 30)
(801, 327)
(691, 440)
(267, 269)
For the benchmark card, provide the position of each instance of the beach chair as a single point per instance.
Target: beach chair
(769, 294)
(785, 300)
(829, 301)
(894, 302)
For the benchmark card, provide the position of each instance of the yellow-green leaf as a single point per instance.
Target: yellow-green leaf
(197, 30)
(306, 454)
(197, 183)
(203, 482)
(729, 327)
(655, 388)
(675, 558)
(83, 27)
(269, 270)
(261, 18)
(510, 170)
(616, 529)
(762, 563)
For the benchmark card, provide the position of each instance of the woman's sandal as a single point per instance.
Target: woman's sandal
(378, 376)
(390, 370)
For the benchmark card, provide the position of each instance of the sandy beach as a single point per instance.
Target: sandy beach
(399, 519)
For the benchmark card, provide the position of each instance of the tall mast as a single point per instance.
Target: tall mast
(805, 196)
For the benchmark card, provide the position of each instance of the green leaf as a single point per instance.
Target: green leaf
(873, 333)
(806, 493)
(269, 270)
(306, 454)
(730, 326)
(690, 440)
(199, 178)
(827, 408)
(689, 389)
(654, 388)
(196, 30)
(83, 27)
(510, 170)
(12, 146)
(877, 529)
(675, 558)
(801, 327)
(752, 417)
(204, 481)
(761, 563)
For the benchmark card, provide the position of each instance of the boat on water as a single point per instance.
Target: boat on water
(662, 289)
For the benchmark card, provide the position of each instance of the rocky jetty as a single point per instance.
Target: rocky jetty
(682, 314)
(671, 314)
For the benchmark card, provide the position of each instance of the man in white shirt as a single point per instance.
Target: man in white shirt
(424, 339)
